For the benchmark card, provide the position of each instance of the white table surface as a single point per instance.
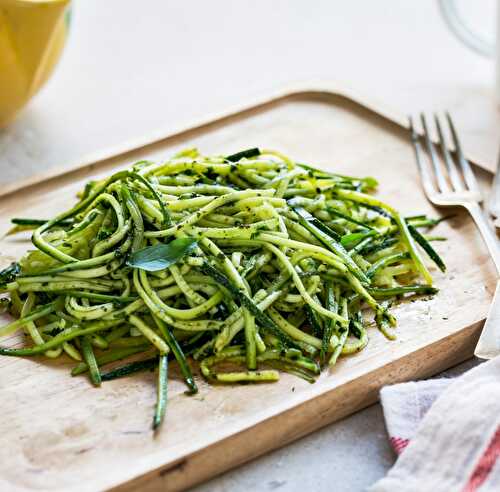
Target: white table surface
(132, 68)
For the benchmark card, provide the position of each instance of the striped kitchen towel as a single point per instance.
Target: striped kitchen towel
(446, 432)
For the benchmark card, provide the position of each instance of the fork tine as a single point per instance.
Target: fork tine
(423, 167)
(469, 177)
(441, 181)
(450, 165)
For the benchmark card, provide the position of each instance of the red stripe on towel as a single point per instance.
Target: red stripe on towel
(484, 465)
(399, 444)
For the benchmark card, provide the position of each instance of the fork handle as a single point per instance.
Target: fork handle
(489, 236)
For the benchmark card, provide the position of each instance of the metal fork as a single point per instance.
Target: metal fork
(458, 187)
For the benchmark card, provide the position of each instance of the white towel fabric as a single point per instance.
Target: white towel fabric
(446, 432)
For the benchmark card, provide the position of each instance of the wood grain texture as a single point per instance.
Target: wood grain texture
(166, 135)
(59, 433)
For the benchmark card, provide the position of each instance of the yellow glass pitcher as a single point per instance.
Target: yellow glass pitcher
(32, 36)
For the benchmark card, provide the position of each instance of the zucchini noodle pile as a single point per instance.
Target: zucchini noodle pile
(250, 264)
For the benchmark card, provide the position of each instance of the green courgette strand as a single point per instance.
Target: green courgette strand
(350, 348)
(191, 295)
(332, 297)
(10, 273)
(259, 376)
(93, 267)
(342, 333)
(294, 332)
(100, 297)
(293, 357)
(385, 261)
(90, 360)
(109, 356)
(62, 286)
(79, 227)
(89, 328)
(33, 222)
(161, 391)
(86, 313)
(385, 292)
(150, 334)
(136, 216)
(121, 230)
(426, 246)
(130, 368)
(244, 154)
(384, 325)
(167, 220)
(284, 366)
(32, 329)
(33, 315)
(179, 355)
(314, 321)
(338, 213)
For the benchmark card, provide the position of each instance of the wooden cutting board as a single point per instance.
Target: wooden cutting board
(60, 433)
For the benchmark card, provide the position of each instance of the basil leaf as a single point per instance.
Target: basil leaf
(161, 256)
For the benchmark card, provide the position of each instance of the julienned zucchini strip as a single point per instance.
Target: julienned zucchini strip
(251, 263)
(161, 399)
(426, 246)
